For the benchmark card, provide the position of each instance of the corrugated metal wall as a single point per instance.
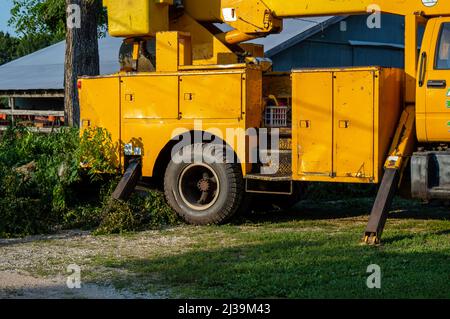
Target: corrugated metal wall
(358, 45)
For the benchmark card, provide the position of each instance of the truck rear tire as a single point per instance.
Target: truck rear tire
(204, 192)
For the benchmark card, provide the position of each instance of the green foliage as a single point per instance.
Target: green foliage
(44, 19)
(33, 42)
(118, 217)
(64, 180)
(12, 48)
(38, 173)
(31, 17)
(3, 102)
(142, 211)
(98, 153)
(39, 24)
(8, 45)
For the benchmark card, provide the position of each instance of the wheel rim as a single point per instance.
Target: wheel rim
(199, 187)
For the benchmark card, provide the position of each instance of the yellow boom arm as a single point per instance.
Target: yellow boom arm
(294, 8)
(251, 19)
(254, 16)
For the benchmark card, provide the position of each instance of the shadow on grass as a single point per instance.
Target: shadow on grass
(398, 238)
(346, 208)
(294, 267)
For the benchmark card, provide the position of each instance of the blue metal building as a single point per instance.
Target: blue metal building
(341, 42)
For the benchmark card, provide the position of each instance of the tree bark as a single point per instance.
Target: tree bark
(82, 56)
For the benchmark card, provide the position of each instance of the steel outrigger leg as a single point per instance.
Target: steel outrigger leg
(401, 149)
(381, 207)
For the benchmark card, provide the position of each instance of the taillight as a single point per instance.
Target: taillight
(79, 84)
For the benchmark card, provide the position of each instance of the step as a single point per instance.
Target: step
(269, 178)
(439, 193)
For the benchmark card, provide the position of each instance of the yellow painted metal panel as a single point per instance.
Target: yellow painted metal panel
(210, 10)
(358, 111)
(295, 8)
(253, 97)
(390, 104)
(167, 51)
(312, 121)
(207, 49)
(153, 135)
(211, 96)
(100, 106)
(173, 49)
(249, 16)
(432, 111)
(254, 50)
(428, 43)
(353, 124)
(129, 18)
(150, 97)
(403, 142)
(149, 117)
(412, 23)
(437, 98)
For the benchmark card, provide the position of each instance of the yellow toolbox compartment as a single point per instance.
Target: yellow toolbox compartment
(149, 110)
(343, 122)
(130, 18)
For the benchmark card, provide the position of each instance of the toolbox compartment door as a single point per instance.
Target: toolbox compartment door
(313, 94)
(354, 124)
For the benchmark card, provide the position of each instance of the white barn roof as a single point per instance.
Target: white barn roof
(44, 69)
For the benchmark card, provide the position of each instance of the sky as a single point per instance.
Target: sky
(5, 7)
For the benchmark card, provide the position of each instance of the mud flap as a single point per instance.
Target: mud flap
(129, 180)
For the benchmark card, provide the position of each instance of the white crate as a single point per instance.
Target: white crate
(276, 116)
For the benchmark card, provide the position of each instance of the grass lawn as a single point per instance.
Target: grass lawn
(312, 252)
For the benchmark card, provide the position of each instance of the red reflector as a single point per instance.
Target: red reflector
(79, 85)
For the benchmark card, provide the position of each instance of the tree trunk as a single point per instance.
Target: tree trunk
(81, 52)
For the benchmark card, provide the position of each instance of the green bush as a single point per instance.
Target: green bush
(37, 174)
(143, 211)
(64, 180)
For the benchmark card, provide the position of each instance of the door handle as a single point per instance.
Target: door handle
(438, 84)
(422, 69)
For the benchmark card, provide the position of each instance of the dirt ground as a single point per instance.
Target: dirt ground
(21, 286)
(36, 267)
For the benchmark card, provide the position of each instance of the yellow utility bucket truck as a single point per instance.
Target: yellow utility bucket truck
(201, 111)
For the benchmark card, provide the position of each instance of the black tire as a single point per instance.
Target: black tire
(186, 183)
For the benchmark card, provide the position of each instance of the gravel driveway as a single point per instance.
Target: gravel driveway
(36, 267)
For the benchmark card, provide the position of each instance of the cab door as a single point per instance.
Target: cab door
(433, 100)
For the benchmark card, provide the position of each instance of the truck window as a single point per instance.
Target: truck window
(443, 53)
